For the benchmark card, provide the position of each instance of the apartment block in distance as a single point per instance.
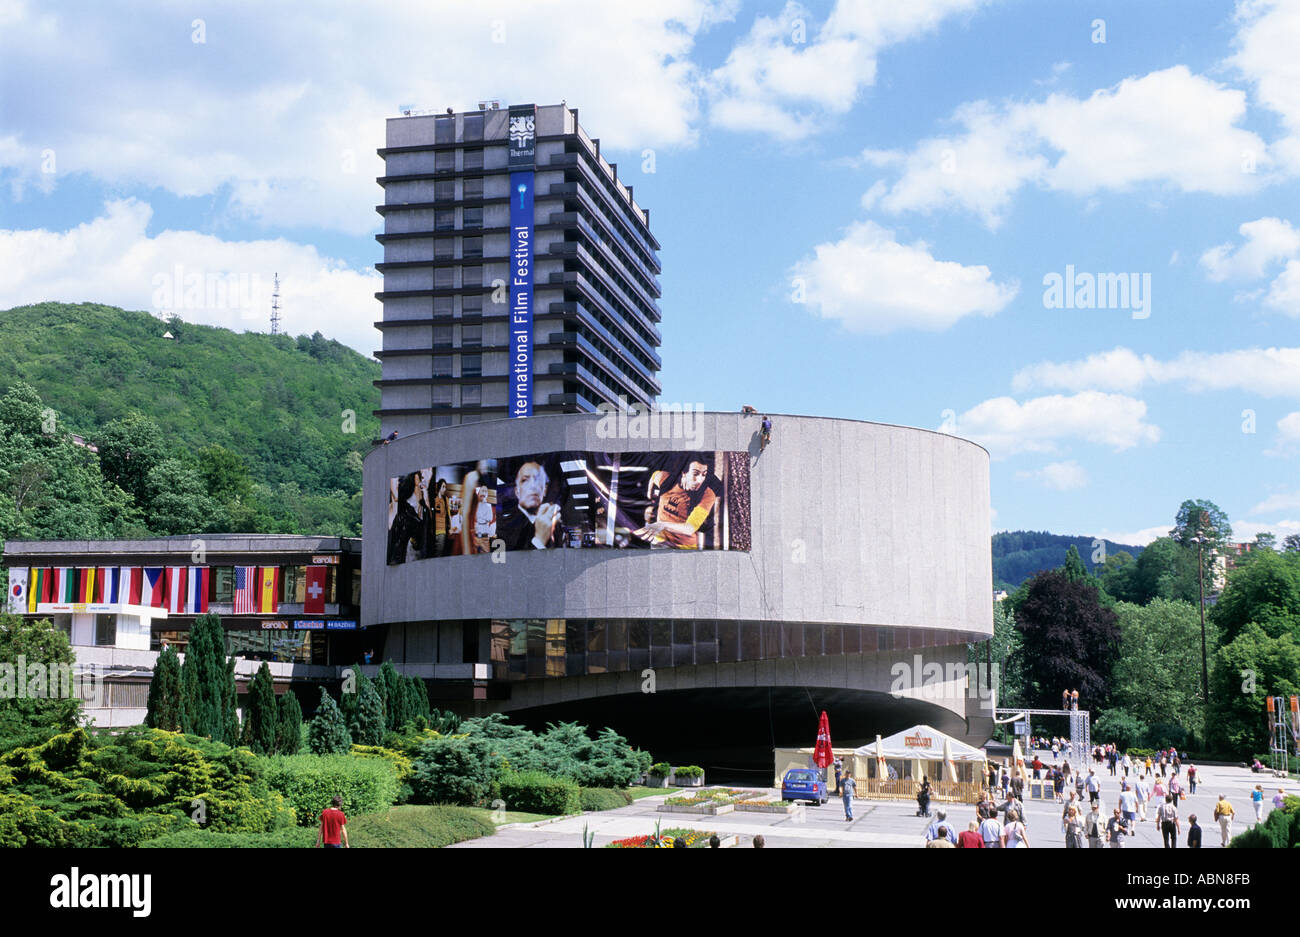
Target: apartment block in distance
(520, 274)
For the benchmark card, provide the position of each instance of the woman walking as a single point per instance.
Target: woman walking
(1074, 835)
(1016, 835)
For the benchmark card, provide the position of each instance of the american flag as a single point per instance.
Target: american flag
(244, 586)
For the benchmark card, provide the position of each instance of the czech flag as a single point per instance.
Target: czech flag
(153, 587)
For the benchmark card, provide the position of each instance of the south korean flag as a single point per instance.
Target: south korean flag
(17, 591)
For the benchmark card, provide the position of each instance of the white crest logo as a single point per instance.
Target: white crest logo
(521, 129)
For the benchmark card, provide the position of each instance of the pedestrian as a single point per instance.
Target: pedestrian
(1191, 777)
(714, 842)
(923, 798)
(1142, 790)
(1078, 784)
(847, 789)
(942, 841)
(941, 823)
(839, 767)
(1257, 801)
(1058, 783)
(1092, 825)
(1128, 806)
(1128, 763)
(1168, 818)
(1006, 779)
(1017, 837)
(1115, 830)
(333, 826)
(1113, 760)
(1149, 764)
(1162, 764)
(759, 842)
(1224, 813)
(1094, 787)
(970, 838)
(1158, 791)
(991, 832)
(1279, 799)
(1193, 833)
(1074, 832)
(1176, 789)
(1177, 763)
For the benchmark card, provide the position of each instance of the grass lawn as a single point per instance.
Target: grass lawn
(509, 816)
(638, 792)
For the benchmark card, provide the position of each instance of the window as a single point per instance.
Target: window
(473, 159)
(472, 188)
(442, 305)
(444, 249)
(444, 278)
(223, 584)
(472, 247)
(442, 395)
(471, 277)
(471, 365)
(471, 305)
(444, 191)
(438, 422)
(444, 129)
(442, 365)
(471, 395)
(444, 220)
(473, 218)
(471, 336)
(105, 630)
(441, 336)
(444, 161)
(293, 580)
(474, 129)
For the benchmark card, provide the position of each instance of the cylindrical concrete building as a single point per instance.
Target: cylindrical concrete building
(846, 567)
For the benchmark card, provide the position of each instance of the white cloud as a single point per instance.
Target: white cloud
(785, 80)
(1006, 427)
(1169, 127)
(1135, 538)
(1284, 501)
(1246, 531)
(1061, 476)
(234, 116)
(1270, 372)
(1268, 240)
(225, 283)
(1266, 43)
(872, 283)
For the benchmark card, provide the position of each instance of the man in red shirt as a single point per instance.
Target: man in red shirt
(970, 839)
(333, 824)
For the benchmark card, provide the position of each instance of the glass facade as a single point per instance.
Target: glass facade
(532, 648)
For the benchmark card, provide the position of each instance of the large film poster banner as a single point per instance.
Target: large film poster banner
(572, 500)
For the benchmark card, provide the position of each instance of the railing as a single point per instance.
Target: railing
(963, 792)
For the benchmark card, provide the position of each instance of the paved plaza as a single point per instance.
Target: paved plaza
(892, 824)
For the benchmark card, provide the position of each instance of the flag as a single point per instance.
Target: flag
(268, 583)
(244, 590)
(38, 587)
(823, 754)
(62, 588)
(134, 585)
(153, 587)
(18, 590)
(176, 577)
(124, 583)
(85, 584)
(196, 591)
(314, 596)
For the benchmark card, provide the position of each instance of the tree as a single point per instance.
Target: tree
(1070, 640)
(388, 691)
(1245, 672)
(366, 723)
(1165, 570)
(1156, 679)
(1265, 591)
(261, 713)
(129, 449)
(164, 705)
(1117, 576)
(229, 701)
(208, 683)
(1291, 543)
(177, 500)
(31, 718)
(1004, 652)
(1265, 540)
(288, 737)
(327, 733)
(1201, 518)
(224, 474)
(1074, 569)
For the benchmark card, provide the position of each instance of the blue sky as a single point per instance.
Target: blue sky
(859, 203)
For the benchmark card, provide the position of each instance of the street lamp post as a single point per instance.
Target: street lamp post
(1200, 580)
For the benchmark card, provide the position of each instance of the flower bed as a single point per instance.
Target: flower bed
(667, 839)
(767, 806)
(709, 802)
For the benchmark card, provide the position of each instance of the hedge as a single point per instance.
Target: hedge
(687, 772)
(604, 798)
(418, 827)
(309, 783)
(535, 792)
(294, 837)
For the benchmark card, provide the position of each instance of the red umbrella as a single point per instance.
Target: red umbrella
(822, 754)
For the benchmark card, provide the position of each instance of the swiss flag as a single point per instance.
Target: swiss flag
(314, 596)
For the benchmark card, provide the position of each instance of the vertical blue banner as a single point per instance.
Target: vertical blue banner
(521, 294)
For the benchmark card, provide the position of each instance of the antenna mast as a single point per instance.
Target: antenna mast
(275, 307)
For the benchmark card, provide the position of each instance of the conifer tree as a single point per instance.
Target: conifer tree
(327, 734)
(229, 702)
(288, 736)
(164, 706)
(261, 713)
(367, 723)
(389, 688)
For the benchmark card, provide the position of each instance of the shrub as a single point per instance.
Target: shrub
(295, 837)
(309, 782)
(454, 771)
(535, 792)
(689, 772)
(401, 762)
(418, 827)
(604, 798)
(660, 769)
(1165, 734)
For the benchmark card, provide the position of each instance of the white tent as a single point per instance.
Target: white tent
(921, 743)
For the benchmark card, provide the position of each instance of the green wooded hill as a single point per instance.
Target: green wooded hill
(275, 401)
(1018, 554)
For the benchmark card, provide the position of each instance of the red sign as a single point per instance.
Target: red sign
(917, 741)
(314, 596)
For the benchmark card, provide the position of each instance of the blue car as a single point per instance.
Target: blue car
(804, 784)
